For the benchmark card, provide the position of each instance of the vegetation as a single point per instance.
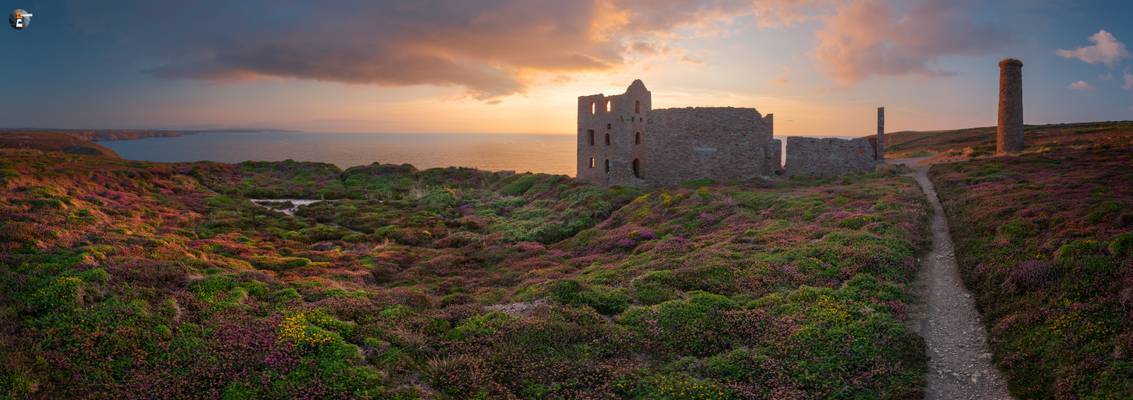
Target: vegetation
(1044, 241)
(133, 279)
(964, 144)
(52, 141)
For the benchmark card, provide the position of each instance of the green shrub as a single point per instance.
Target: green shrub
(438, 199)
(838, 340)
(7, 174)
(673, 387)
(286, 295)
(16, 385)
(239, 391)
(395, 312)
(519, 185)
(480, 325)
(655, 287)
(1122, 245)
(1080, 248)
(63, 293)
(682, 324)
(279, 263)
(604, 300)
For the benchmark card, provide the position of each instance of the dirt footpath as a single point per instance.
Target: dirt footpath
(960, 364)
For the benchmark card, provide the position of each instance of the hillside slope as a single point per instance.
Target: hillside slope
(963, 144)
(1045, 241)
(53, 141)
(134, 279)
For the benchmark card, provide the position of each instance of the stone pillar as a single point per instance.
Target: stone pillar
(881, 133)
(1009, 135)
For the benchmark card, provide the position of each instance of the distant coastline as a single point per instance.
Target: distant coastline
(106, 135)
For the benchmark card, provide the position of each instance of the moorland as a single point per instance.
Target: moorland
(135, 279)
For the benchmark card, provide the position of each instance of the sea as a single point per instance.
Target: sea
(551, 154)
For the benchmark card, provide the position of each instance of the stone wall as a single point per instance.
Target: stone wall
(609, 128)
(623, 141)
(724, 144)
(829, 157)
(773, 159)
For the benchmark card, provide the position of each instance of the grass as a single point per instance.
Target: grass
(164, 280)
(963, 144)
(1043, 240)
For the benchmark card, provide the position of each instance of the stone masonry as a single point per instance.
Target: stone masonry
(829, 156)
(881, 133)
(773, 160)
(1009, 134)
(622, 140)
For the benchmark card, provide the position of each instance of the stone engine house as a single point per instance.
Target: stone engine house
(622, 140)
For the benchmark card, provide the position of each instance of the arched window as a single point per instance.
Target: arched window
(593, 108)
(637, 107)
(637, 168)
(637, 138)
(607, 139)
(609, 106)
(591, 162)
(607, 165)
(609, 126)
(590, 134)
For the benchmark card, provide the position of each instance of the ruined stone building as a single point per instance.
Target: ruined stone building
(830, 156)
(622, 140)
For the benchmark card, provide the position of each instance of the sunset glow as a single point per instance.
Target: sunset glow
(820, 66)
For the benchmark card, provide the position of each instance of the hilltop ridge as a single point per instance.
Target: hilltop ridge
(53, 141)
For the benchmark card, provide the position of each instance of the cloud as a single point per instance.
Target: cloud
(491, 48)
(496, 48)
(867, 38)
(1106, 49)
(1128, 78)
(778, 13)
(1080, 86)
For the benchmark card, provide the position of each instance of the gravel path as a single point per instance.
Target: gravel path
(959, 364)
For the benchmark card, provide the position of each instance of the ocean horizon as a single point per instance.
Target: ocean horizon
(539, 153)
(552, 154)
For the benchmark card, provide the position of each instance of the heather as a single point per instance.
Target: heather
(1043, 241)
(133, 279)
(964, 144)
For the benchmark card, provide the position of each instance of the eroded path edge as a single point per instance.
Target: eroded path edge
(960, 365)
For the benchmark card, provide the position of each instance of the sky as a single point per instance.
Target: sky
(517, 66)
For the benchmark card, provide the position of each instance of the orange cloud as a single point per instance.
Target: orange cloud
(495, 48)
(867, 38)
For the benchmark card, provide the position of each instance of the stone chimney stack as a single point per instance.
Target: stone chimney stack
(881, 133)
(1009, 135)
